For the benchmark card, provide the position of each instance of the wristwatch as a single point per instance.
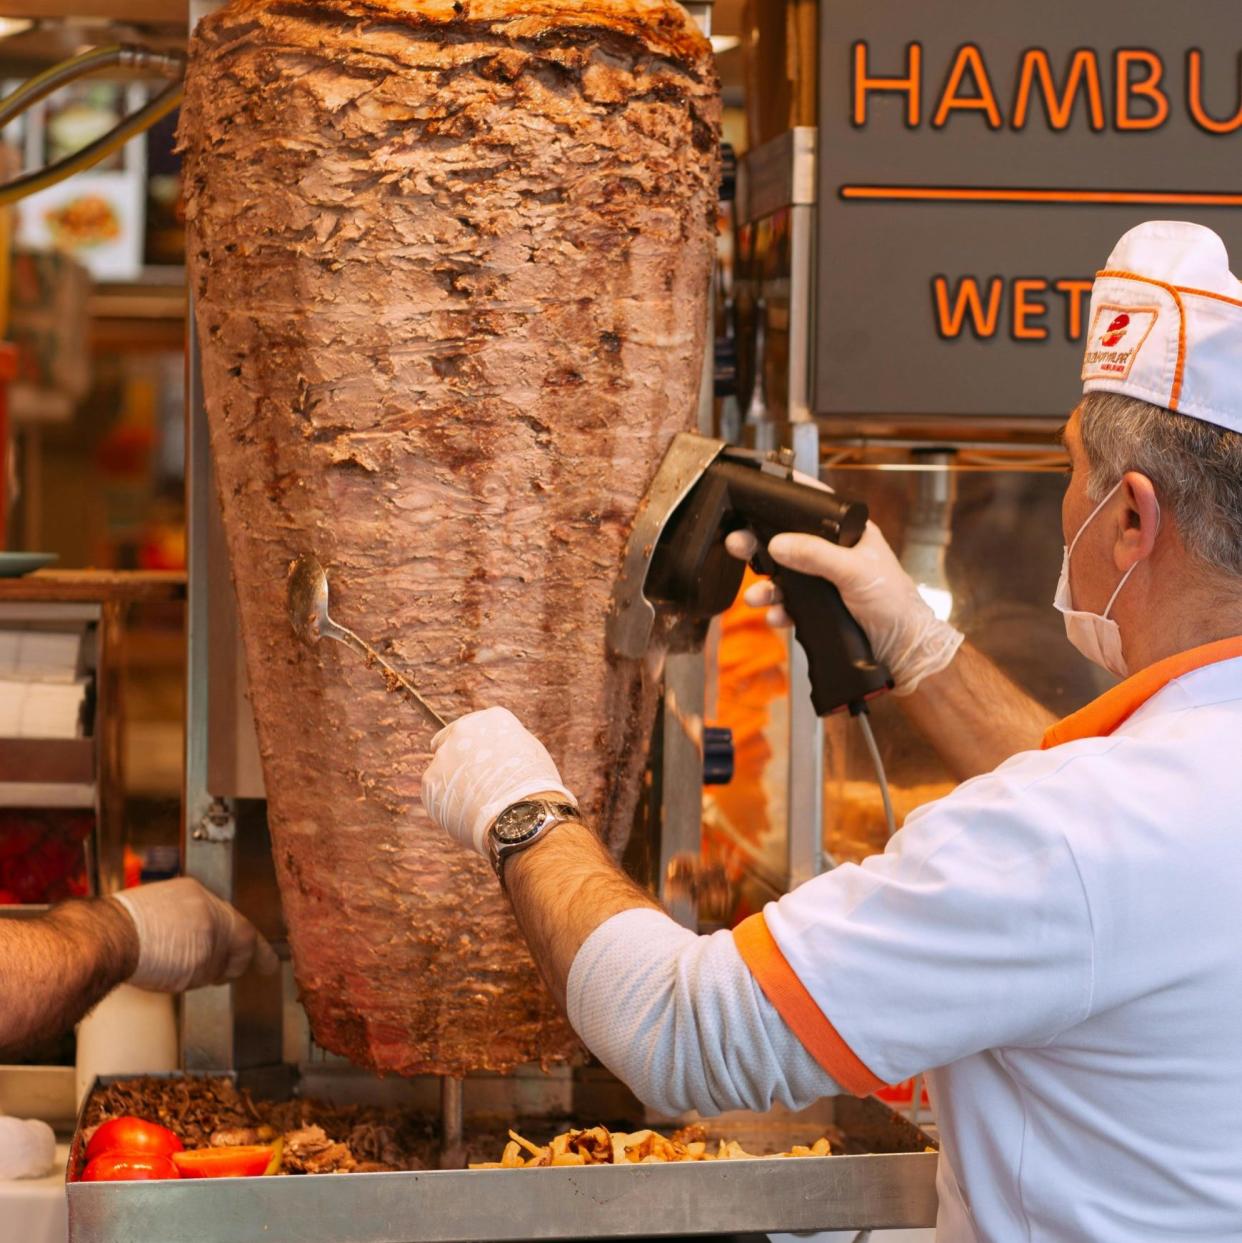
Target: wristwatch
(522, 825)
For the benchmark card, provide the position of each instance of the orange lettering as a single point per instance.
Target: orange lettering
(1076, 295)
(1194, 95)
(1084, 70)
(1025, 310)
(950, 321)
(1148, 87)
(969, 59)
(910, 85)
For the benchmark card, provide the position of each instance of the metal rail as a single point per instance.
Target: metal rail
(117, 56)
(505, 1206)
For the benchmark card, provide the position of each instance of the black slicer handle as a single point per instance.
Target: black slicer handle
(843, 669)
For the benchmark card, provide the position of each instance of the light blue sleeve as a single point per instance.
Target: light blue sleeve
(680, 1019)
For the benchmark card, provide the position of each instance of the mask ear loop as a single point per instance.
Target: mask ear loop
(1125, 578)
(1095, 514)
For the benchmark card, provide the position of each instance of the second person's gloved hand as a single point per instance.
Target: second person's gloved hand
(187, 937)
(904, 632)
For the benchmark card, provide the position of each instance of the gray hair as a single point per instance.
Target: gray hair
(1196, 468)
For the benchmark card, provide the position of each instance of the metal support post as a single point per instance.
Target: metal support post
(452, 1123)
(806, 730)
(207, 852)
(681, 785)
(777, 183)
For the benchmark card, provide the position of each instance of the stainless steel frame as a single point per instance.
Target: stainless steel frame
(779, 179)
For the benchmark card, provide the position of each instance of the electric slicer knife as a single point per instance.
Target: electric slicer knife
(676, 561)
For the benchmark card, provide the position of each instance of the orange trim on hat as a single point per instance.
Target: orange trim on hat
(798, 1008)
(1104, 716)
(1179, 373)
(1207, 293)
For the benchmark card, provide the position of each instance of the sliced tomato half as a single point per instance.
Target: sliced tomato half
(242, 1161)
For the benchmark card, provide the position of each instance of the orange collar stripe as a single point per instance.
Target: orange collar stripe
(1107, 714)
(797, 1007)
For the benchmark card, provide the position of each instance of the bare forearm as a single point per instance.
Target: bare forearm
(54, 968)
(974, 716)
(562, 890)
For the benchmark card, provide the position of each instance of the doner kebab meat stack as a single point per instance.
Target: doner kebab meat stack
(450, 266)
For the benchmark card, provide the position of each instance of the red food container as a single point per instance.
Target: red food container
(8, 372)
(43, 855)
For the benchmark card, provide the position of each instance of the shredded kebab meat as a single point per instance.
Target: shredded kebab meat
(450, 267)
(318, 1138)
(599, 1146)
(308, 1150)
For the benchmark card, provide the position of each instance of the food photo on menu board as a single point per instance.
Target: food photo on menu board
(96, 216)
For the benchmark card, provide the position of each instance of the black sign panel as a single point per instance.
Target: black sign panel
(978, 161)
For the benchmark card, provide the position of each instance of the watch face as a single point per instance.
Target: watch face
(519, 822)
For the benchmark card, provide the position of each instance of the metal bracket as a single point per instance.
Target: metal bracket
(217, 824)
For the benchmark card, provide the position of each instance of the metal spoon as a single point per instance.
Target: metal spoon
(308, 614)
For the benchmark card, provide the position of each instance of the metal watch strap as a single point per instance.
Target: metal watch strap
(553, 813)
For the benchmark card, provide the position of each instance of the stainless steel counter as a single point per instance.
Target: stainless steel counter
(886, 1180)
(620, 1202)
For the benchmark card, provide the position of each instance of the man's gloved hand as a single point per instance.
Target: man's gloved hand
(483, 763)
(187, 937)
(905, 634)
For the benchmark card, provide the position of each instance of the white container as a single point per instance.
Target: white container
(35, 1210)
(130, 1032)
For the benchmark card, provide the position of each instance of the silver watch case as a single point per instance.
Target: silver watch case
(521, 825)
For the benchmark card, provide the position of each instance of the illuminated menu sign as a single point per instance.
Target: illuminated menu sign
(978, 160)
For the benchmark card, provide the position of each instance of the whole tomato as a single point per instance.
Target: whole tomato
(133, 1137)
(124, 1167)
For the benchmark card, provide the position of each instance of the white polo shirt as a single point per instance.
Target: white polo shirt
(1062, 940)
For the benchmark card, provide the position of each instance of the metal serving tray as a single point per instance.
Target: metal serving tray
(892, 1187)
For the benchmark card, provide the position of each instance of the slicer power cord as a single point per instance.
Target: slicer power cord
(862, 715)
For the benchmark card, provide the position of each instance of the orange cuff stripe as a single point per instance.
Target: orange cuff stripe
(1103, 716)
(797, 1007)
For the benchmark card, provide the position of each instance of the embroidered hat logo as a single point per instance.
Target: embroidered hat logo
(1117, 335)
(1116, 331)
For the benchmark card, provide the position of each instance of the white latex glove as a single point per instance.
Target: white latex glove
(27, 1149)
(905, 634)
(485, 762)
(187, 937)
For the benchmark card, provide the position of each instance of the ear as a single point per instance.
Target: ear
(1139, 521)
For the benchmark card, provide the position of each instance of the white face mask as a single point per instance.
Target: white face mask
(1095, 635)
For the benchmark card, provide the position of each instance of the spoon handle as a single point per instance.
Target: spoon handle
(342, 634)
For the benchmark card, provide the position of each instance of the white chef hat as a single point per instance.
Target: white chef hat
(1166, 323)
